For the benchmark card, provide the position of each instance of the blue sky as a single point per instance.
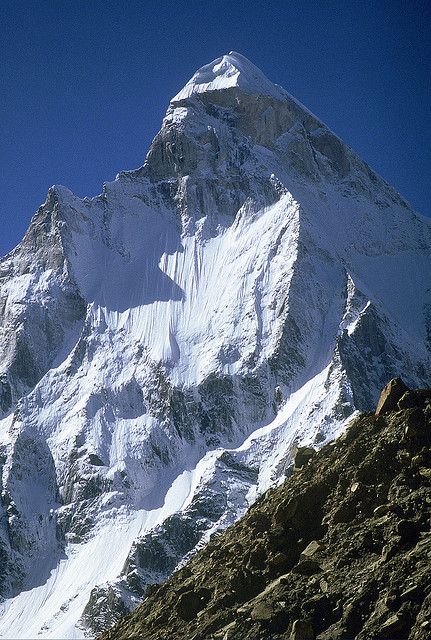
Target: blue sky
(84, 85)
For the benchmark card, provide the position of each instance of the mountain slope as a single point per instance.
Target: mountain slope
(166, 344)
(340, 550)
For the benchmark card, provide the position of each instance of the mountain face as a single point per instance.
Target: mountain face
(340, 550)
(165, 345)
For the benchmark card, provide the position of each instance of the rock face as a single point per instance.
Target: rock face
(167, 345)
(367, 550)
(40, 305)
(390, 396)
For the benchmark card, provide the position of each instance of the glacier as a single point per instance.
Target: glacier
(166, 344)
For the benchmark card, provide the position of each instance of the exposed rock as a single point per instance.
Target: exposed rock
(191, 602)
(302, 630)
(323, 585)
(95, 460)
(381, 510)
(307, 567)
(262, 611)
(293, 568)
(104, 604)
(391, 394)
(285, 511)
(311, 549)
(392, 628)
(412, 398)
(302, 455)
(425, 473)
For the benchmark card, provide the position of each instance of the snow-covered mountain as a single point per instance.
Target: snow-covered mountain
(165, 345)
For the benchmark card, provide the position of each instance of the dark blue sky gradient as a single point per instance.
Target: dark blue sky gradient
(84, 85)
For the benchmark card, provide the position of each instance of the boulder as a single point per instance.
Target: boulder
(417, 461)
(409, 531)
(262, 611)
(323, 584)
(302, 455)
(190, 603)
(418, 398)
(285, 511)
(307, 567)
(391, 394)
(279, 559)
(392, 627)
(311, 549)
(425, 473)
(302, 630)
(258, 557)
(381, 510)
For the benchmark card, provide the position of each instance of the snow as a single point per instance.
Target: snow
(165, 292)
(231, 70)
(52, 609)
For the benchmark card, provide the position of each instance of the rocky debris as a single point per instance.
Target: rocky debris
(307, 567)
(302, 630)
(340, 551)
(191, 602)
(391, 394)
(311, 549)
(302, 455)
(393, 627)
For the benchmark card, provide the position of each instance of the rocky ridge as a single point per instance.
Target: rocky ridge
(340, 551)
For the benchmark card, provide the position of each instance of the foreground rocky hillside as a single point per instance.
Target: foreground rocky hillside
(340, 551)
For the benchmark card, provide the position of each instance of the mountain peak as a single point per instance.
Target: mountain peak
(166, 344)
(231, 70)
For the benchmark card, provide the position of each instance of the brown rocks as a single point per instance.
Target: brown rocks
(302, 456)
(408, 530)
(381, 510)
(279, 560)
(226, 632)
(414, 424)
(258, 556)
(345, 512)
(390, 396)
(262, 611)
(411, 592)
(418, 398)
(285, 511)
(323, 584)
(191, 602)
(311, 549)
(425, 473)
(417, 461)
(302, 630)
(307, 567)
(391, 629)
(258, 521)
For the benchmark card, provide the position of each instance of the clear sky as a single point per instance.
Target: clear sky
(84, 84)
